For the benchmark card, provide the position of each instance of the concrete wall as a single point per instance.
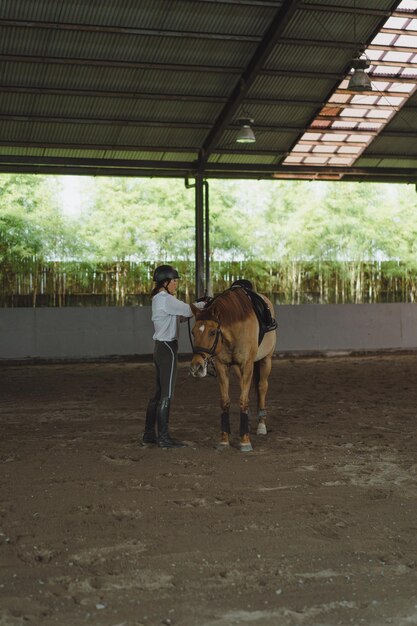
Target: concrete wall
(88, 333)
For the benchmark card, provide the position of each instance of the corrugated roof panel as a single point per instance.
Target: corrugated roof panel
(331, 26)
(91, 134)
(91, 78)
(173, 82)
(403, 145)
(27, 74)
(128, 80)
(103, 12)
(72, 153)
(397, 162)
(381, 5)
(290, 87)
(181, 156)
(233, 19)
(107, 13)
(22, 41)
(21, 151)
(308, 58)
(280, 114)
(97, 136)
(141, 155)
(89, 107)
(153, 14)
(242, 159)
(23, 10)
(124, 47)
(16, 104)
(405, 121)
(169, 138)
(13, 131)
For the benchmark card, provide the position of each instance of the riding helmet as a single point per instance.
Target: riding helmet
(165, 272)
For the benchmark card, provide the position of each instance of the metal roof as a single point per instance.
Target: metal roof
(156, 87)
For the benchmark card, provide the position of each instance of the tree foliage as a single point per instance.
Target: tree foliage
(281, 234)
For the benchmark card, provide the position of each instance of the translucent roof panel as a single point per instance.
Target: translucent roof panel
(392, 61)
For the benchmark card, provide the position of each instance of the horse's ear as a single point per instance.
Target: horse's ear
(194, 309)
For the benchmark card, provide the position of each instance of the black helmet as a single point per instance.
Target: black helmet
(165, 272)
(243, 282)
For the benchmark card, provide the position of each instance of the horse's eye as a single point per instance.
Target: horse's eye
(212, 333)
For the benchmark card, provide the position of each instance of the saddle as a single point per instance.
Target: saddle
(266, 322)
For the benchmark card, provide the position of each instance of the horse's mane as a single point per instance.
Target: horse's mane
(233, 305)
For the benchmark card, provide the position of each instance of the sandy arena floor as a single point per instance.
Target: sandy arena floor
(316, 527)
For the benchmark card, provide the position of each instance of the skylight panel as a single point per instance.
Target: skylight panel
(384, 39)
(349, 112)
(335, 137)
(339, 161)
(362, 116)
(310, 160)
(349, 149)
(400, 57)
(344, 124)
(412, 25)
(406, 41)
(396, 22)
(324, 148)
(360, 99)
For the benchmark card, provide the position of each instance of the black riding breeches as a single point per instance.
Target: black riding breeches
(165, 359)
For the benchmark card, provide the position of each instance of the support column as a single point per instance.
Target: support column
(208, 285)
(199, 236)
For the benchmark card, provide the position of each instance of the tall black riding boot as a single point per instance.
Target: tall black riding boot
(149, 434)
(164, 438)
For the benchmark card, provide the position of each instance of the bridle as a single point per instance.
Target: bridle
(208, 354)
(212, 350)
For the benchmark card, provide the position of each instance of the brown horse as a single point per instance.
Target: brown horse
(227, 331)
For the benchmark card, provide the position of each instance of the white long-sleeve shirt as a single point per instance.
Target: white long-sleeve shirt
(166, 314)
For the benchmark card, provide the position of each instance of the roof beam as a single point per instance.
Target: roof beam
(212, 167)
(134, 65)
(125, 30)
(344, 9)
(126, 95)
(272, 35)
(171, 67)
(98, 167)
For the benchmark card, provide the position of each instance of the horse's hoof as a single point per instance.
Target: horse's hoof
(245, 444)
(224, 442)
(261, 430)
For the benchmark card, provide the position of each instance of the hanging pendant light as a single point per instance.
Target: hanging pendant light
(245, 134)
(360, 81)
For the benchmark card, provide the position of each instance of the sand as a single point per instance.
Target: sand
(316, 527)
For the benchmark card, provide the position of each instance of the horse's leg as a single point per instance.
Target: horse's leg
(223, 378)
(245, 383)
(264, 366)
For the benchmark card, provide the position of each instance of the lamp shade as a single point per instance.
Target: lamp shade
(360, 81)
(245, 134)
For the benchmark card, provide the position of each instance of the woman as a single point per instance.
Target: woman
(167, 312)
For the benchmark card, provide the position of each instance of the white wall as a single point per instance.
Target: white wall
(88, 333)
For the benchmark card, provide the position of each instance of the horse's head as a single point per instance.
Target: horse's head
(207, 337)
